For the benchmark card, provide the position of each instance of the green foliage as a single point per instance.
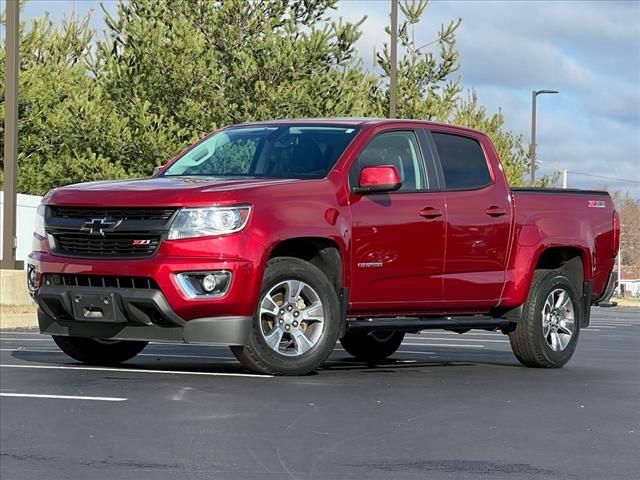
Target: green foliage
(427, 90)
(165, 72)
(508, 145)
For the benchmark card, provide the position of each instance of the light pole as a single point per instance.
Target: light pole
(532, 146)
(393, 74)
(10, 135)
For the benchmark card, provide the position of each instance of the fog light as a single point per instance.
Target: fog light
(209, 283)
(205, 284)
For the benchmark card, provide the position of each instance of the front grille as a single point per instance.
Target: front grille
(116, 213)
(100, 281)
(108, 232)
(82, 245)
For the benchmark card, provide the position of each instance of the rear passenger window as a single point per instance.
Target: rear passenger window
(463, 163)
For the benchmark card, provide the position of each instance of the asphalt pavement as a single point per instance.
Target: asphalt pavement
(446, 406)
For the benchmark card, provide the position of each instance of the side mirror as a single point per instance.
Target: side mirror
(156, 170)
(379, 178)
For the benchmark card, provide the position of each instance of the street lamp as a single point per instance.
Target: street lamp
(532, 146)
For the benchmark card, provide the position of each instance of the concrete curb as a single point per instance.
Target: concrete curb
(18, 320)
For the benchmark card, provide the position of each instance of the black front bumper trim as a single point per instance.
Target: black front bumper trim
(139, 314)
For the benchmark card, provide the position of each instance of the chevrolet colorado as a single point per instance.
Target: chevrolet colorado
(280, 238)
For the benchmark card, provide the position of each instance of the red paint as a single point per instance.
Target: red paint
(403, 253)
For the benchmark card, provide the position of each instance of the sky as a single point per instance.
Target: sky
(587, 50)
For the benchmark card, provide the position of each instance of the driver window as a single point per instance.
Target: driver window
(399, 149)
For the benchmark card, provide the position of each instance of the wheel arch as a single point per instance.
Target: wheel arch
(569, 260)
(324, 253)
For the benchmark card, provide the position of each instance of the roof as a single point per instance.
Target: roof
(352, 121)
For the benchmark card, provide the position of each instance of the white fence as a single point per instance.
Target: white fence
(25, 219)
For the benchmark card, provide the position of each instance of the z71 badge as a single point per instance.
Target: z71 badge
(597, 204)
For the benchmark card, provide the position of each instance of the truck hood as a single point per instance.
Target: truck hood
(160, 191)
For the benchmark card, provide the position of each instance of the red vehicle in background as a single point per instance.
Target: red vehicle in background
(280, 238)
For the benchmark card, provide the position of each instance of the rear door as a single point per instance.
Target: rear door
(479, 215)
(398, 237)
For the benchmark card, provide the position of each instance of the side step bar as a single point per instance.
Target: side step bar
(418, 324)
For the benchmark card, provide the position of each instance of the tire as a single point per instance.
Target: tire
(372, 347)
(312, 310)
(541, 338)
(99, 352)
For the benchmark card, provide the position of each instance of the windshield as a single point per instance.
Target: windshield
(273, 151)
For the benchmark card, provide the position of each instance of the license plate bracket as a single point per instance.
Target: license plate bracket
(91, 307)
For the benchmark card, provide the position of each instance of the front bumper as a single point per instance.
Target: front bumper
(238, 254)
(130, 314)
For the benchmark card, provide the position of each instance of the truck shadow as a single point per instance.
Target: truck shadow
(228, 364)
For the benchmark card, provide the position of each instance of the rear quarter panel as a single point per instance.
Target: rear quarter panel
(546, 220)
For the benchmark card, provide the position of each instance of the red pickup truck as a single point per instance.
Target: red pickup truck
(280, 238)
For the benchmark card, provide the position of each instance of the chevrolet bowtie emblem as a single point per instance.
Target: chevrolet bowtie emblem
(100, 226)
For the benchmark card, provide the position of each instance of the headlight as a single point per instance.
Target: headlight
(39, 226)
(202, 222)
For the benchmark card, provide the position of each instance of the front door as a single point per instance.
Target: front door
(398, 238)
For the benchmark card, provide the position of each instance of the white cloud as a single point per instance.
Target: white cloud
(590, 51)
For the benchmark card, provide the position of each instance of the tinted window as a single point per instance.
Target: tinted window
(399, 149)
(288, 151)
(463, 162)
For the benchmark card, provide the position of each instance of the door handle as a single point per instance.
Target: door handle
(494, 211)
(430, 212)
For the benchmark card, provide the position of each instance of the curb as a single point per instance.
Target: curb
(18, 320)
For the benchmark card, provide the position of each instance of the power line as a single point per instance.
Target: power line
(560, 169)
(604, 176)
(626, 180)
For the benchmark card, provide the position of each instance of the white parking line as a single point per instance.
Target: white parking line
(135, 370)
(183, 356)
(454, 334)
(5, 339)
(10, 332)
(429, 339)
(415, 352)
(62, 397)
(31, 350)
(442, 345)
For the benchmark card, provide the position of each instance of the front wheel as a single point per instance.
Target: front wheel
(297, 322)
(99, 352)
(372, 347)
(547, 334)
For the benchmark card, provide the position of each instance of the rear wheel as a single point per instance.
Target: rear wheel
(372, 347)
(99, 352)
(547, 334)
(297, 321)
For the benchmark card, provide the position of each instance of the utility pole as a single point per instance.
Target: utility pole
(565, 179)
(393, 74)
(10, 136)
(532, 145)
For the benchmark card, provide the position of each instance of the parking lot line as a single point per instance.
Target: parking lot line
(463, 339)
(62, 397)
(442, 345)
(9, 339)
(135, 370)
(416, 352)
(31, 350)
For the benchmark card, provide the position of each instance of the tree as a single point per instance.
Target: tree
(426, 89)
(66, 125)
(165, 72)
(198, 65)
(629, 210)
